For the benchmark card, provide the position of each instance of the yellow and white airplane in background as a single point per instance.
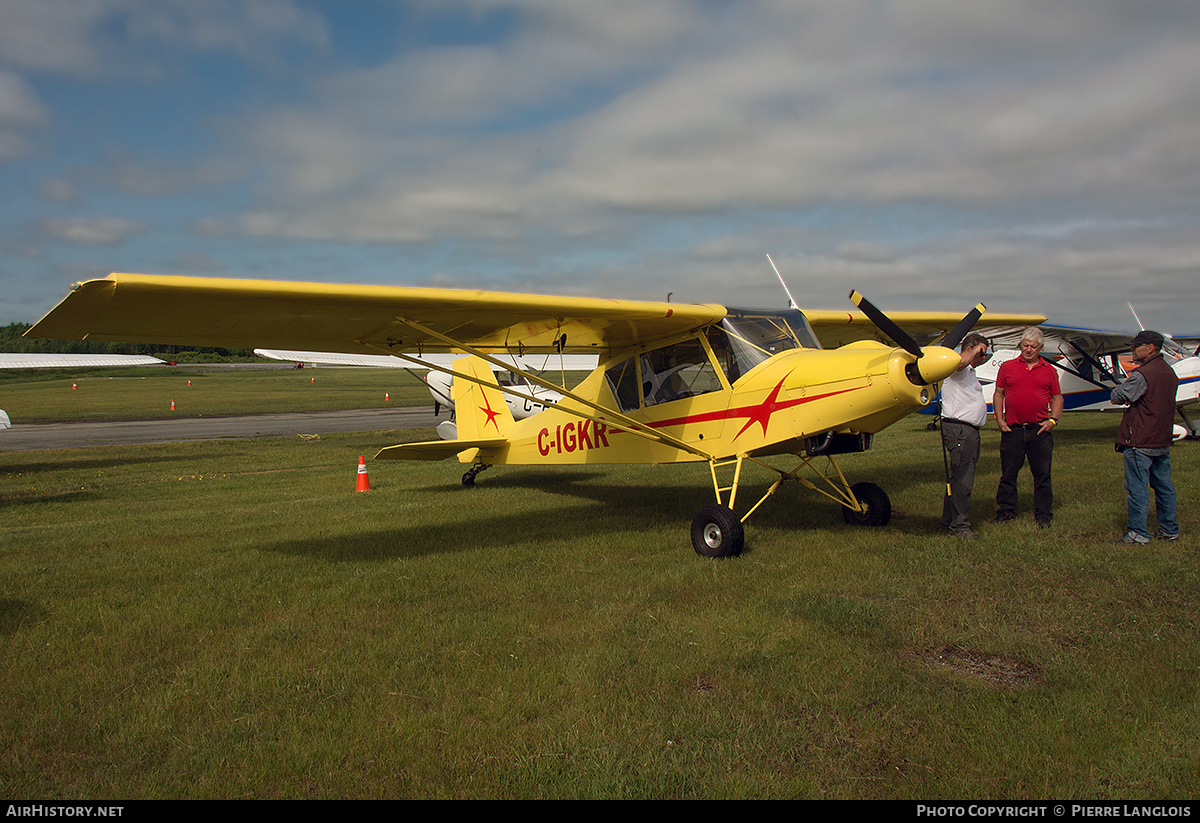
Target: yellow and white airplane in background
(674, 382)
(437, 377)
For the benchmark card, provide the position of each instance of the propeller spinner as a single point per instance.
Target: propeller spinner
(905, 340)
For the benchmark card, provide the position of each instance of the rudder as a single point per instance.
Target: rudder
(479, 408)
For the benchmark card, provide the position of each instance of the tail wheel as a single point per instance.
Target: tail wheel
(877, 509)
(717, 532)
(468, 479)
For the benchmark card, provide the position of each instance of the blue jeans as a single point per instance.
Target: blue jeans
(1142, 473)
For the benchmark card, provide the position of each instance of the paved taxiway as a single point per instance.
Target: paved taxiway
(75, 435)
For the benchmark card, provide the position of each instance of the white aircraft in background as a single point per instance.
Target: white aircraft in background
(1092, 362)
(17, 360)
(524, 398)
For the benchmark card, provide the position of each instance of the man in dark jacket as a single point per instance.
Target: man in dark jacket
(1145, 439)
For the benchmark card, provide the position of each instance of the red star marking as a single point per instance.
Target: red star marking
(492, 414)
(761, 413)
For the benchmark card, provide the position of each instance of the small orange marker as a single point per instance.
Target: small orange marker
(364, 483)
(172, 405)
(386, 397)
(72, 387)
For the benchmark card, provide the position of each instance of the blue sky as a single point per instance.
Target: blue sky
(1038, 156)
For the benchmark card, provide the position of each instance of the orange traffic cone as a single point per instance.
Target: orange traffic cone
(72, 387)
(386, 397)
(364, 483)
(172, 405)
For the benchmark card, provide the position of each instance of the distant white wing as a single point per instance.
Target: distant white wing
(531, 362)
(9, 360)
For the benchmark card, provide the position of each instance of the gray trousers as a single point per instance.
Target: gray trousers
(962, 449)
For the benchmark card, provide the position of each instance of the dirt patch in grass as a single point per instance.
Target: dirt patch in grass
(990, 668)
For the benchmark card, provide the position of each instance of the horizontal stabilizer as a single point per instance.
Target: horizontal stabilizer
(435, 449)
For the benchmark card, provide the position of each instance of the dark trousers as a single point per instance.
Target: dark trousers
(962, 453)
(1015, 446)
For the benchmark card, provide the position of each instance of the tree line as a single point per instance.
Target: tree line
(11, 340)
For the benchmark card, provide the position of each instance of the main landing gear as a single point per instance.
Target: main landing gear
(718, 532)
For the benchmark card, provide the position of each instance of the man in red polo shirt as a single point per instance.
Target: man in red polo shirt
(1027, 404)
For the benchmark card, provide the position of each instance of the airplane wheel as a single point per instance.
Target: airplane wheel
(877, 507)
(469, 480)
(717, 532)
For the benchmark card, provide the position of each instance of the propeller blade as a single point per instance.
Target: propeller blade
(964, 327)
(884, 323)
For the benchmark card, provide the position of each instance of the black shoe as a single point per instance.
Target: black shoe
(1044, 522)
(1004, 517)
(1162, 535)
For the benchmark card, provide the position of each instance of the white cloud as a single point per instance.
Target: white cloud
(20, 114)
(106, 37)
(90, 231)
(794, 105)
(59, 190)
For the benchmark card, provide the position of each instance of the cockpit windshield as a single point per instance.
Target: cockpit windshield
(1173, 352)
(754, 336)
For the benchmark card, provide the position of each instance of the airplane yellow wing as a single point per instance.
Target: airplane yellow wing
(837, 328)
(227, 313)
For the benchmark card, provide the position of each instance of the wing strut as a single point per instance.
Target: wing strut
(1099, 366)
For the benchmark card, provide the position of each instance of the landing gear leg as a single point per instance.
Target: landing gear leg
(1188, 423)
(718, 532)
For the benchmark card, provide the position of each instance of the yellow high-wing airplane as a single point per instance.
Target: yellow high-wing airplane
(675, 382)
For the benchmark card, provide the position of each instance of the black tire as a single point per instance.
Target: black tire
(877, 508)
(468, 479)
(717, 532)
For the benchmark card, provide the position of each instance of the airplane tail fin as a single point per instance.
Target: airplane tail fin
(479, 407)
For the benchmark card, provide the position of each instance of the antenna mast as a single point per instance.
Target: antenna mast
(1135, 317)
(791, 300)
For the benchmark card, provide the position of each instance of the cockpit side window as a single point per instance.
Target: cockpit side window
(661, 375)
(677, 371)
(622, 380)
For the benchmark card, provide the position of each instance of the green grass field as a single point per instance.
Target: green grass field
(62, 395)
(233, 620)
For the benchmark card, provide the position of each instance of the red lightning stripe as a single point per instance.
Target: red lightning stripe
(760, 413)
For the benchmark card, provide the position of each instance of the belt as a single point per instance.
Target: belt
(960, 422)
(1036, 425)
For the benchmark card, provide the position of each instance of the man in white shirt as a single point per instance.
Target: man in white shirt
(964, 411)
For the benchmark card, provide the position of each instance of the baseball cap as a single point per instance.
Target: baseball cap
(1145, 336)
